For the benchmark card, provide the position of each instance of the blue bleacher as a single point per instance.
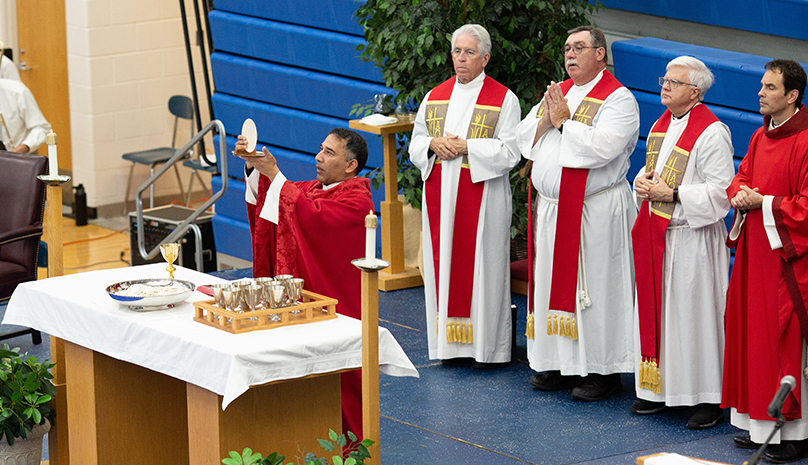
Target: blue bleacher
(294, 69)
(785, 18)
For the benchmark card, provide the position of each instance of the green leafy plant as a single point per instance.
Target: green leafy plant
(354, 452)
(409, 40)
(25, 393)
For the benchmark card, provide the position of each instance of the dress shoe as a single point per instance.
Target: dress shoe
(646, 407)
(456, 362)
(706, 416)
(554, 381)
(786, 451)
(597, 387)
(745, 442)
(489, 365)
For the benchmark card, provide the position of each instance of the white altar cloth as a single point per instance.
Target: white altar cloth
(76, 308)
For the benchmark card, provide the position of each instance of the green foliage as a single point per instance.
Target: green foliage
(409, 40)
(25, 393)
(354, 452)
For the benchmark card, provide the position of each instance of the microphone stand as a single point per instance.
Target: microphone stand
(781, 420)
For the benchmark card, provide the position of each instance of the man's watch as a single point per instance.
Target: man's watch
(561, 126)
(675, 194)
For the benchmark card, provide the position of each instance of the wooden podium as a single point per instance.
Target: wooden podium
(396, 276)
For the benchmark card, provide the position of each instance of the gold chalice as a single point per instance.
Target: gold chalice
(170, 252)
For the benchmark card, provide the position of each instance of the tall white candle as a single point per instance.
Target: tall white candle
(53, 162)
(370, 236)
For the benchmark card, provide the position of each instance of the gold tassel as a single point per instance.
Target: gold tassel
(574, 329)
(449, 332)
(642, 374)
(529, 328)
(471, 335)
(562, 327)
(437, 324)
(657, 383)
(555, 324)
(549, 325)
(464, 334)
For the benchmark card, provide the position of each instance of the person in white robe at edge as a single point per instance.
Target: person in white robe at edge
(695, 262)
(588, 125)
(464, 143)
(23, 128)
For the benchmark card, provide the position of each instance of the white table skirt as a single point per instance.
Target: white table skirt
(76, 308)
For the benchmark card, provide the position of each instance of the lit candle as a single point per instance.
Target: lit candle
(53, 163)
(370, 236)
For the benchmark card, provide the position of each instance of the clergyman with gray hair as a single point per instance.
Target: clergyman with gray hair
(679, 250)
(464, 143)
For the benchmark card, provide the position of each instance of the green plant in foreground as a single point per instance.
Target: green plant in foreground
(25, 392)
(353, 453)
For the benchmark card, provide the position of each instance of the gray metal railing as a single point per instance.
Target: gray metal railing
(180, 230)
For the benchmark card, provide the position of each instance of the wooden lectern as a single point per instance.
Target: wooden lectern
(396, 276)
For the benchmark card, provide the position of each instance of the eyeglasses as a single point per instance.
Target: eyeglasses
(674, 83)
(577, 48)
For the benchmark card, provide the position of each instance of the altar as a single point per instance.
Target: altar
(158, 387)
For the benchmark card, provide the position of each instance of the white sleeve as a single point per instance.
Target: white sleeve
(769, 224)
(251, 186)
(706, 202)
(272, 202)
(419, 142)
(526, 132)
(36, 124)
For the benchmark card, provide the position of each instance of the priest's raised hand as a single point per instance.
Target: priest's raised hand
(266, 164)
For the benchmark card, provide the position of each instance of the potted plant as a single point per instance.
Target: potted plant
(25, 393)
(354, 452)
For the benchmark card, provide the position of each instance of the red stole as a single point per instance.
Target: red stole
(564, 284)
(469, 198)
(648, 236)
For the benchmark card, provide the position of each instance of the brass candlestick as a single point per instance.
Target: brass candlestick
(170, 252)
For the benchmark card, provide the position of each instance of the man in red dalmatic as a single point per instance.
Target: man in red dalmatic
(313, 229)
(766, 319)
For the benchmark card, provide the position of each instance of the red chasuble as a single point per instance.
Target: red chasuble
(766, 317)
(469, 198)
(318, 233)
(564, 285)
(648, 236)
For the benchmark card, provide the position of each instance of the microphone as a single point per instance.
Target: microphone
(787, 384)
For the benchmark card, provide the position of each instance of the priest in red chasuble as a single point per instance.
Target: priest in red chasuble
(464, 143)
(313, 229)
(766, 320)
(580, 137)
(680, 260)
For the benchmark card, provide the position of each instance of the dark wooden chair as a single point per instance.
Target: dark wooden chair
(21, 210)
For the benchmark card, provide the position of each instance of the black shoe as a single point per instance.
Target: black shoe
(745, 442)
(598, 387)
(456, 362)
(554, 381)
(706, 416)
(490, 366)
(787, 451)
(646, 407)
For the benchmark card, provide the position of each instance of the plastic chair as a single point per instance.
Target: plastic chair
(181, 107)
(20, 224)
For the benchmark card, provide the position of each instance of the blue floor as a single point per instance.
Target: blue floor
(467, 416)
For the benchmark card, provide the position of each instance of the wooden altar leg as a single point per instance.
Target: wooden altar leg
(370, 362)
(285, 417)
(122, 413)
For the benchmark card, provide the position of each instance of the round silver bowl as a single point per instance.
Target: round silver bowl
(151, 294)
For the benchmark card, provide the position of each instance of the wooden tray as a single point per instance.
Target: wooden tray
(312, 307)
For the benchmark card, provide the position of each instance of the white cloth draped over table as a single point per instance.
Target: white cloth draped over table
(490, 161)
(605, 336)
(695, 272)
(76, 308)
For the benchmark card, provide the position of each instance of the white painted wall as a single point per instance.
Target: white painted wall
(125, 59)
